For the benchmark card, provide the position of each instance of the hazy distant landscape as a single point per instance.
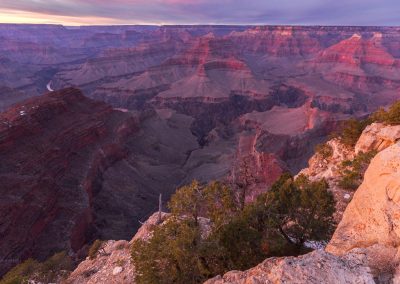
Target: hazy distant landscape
(216, 142)
(97, 121)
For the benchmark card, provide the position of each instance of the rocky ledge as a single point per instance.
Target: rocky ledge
(365, 246)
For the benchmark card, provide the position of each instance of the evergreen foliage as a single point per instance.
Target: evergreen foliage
(278, 223)
(94, 249)
(325, 150)
(353, 170)
(52, 270)
(353, 128)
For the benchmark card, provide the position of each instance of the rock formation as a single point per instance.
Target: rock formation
(291, 82)
(112, 263)
(190, 102)
(75, 169)
(365, 246)
(371, 220)
(316, 267)
(377, 136)
(54, 150)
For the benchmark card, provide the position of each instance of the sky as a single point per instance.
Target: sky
(237, 12)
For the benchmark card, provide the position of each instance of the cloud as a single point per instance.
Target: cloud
(320, 12)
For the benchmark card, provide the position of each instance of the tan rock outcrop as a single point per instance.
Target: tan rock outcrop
(316, 267)
(371, 222)
(111, 265)
(113, 261)
(377, 136)
(328, 167)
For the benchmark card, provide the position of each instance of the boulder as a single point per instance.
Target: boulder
(315, 267)
(111, 265)
(377, 136)
(371, 222)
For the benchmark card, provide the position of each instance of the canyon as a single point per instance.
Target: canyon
(364, 248)
(96, 122)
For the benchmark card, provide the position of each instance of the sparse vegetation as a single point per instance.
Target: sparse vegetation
(353, 170)
(53, 269)
(325, 150)
(353, 128)
(277, 224)
(21, 273)
(120, 262)
(391, 116)
(94, 249)
(121, 246)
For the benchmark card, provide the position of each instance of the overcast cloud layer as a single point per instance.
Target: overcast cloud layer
(297, 12)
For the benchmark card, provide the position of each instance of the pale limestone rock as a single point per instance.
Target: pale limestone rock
(371, 222)
(377, 136)
(315, 267)
(328, 168)
(117, 270)
(112, 264)
(145, 231)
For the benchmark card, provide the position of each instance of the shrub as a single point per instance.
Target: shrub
(277, 224)
(325, 150)
(352, 130)
(349, 180)
(21, 273)
(94, 249)
(379, 116)
(120, 262)
(353, 170)
(55, 267)
(301, 210)
(393, 114)
(173, 255)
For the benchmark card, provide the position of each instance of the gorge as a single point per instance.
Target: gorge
(97, 121)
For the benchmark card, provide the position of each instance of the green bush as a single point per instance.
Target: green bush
(379, 116)
(352, 130)
(353, 170)
(54, 268)
(173, 255)
(277, 224)
(57, 265)
(301, 210)
(21, 273)
(94, 249)
(325, 150)
(393, 114)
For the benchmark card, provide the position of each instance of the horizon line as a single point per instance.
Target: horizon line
(204, 25)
